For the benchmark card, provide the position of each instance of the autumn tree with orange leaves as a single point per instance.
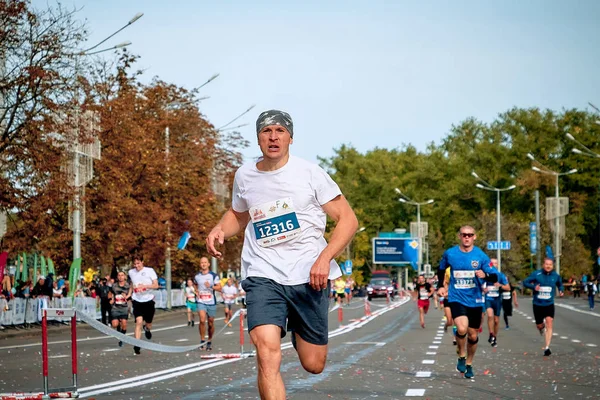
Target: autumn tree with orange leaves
(138, 194)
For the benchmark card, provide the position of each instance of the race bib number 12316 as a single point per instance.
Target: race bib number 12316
(275, 222)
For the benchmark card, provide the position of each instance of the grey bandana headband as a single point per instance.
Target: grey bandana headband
(275, 117)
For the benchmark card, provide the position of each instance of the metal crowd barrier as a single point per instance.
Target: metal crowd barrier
(20, 311)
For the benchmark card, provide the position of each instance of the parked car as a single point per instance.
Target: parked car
(381, 287)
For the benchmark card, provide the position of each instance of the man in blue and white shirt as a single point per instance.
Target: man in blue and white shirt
(543, 283)
(470, 269)
(493, 302)
(207, 282)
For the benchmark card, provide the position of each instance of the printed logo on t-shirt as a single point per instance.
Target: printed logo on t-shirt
(474, 263)
(275, 222)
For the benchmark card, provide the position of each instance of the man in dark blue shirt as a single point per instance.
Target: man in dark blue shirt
(470, 269)
(543, 283)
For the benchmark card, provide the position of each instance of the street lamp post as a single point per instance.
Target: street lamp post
(486, 186)
(548, 171)
(408, 200)
(76, 221)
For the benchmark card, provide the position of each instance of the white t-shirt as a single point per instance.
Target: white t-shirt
(206, 295)
(143, 277)
(228, 293)
(190, 294)
(285, 235)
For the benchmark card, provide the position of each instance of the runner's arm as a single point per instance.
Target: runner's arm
(230, 225)
(346, 226)
(129, 293)
(530, 282)
(560, 286)
(515, 301)
(442, 270)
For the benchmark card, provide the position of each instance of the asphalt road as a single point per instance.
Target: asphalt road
(387, 356)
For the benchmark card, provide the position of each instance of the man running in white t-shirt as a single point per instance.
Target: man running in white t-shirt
(283, 202)
(207, 282)
(143, 279)
(229, 293)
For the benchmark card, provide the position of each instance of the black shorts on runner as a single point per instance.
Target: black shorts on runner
(507, 306)
(447, 304)
(119, 313)
(306, 309)
(144, 310)
(472, 313)
(541, 312)
(340, 295)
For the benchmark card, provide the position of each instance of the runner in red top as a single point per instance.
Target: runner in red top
(424, 292)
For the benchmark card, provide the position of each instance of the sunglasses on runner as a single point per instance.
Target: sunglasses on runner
(467, 235)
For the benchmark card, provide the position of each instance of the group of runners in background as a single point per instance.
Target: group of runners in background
(470, 287)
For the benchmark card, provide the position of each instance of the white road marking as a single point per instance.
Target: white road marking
(568, 307)
(529, 318)
(576, 341)
(591, 345)
(186, 369)
(428, 362)
(437, 342)
(182, 340)
(380, 344)
(423, 374)
(431, 353)
(415, 393)
(564, 337)
(434, 347)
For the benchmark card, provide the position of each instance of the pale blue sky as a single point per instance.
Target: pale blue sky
(366, 73)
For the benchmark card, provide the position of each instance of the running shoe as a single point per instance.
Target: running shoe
(454, 330)
(192, 322)
(507, 328)
(445, 328)
(547, 352)
(120, 343)
(294, 341)
(469, 372)
(494, 342)
(461, 365)
(209, 346)
(423, 325)
(491, 339)
(147, 333)
(444, 318)
(136, 351)
(454, 344)
(189, 323)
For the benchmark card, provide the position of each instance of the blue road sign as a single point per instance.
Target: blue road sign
(348, 267)
(399, 251)
(504, 245)
(532, 238)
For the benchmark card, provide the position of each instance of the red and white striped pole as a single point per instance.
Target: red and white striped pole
(45, 352)
(74, 350)
(242, 315)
